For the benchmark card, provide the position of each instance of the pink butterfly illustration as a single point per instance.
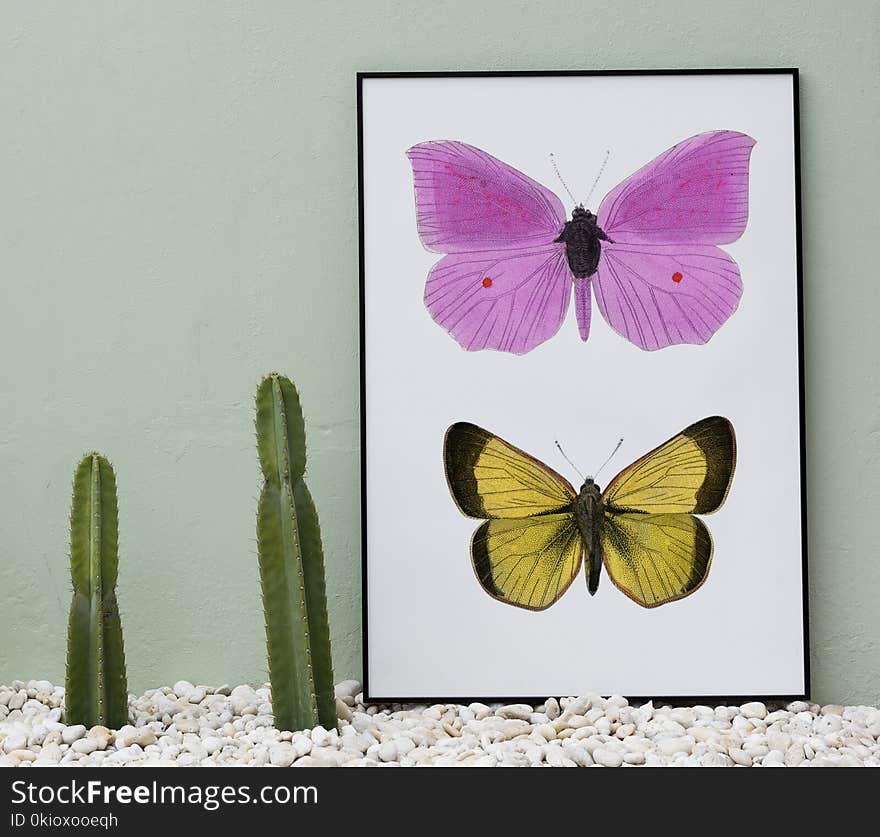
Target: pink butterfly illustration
(649, 252)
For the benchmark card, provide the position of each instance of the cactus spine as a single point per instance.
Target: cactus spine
(291, 566)
(96, 691)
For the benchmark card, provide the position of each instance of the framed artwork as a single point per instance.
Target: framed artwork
(582, 385)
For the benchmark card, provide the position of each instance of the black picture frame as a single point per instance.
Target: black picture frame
(793, 72)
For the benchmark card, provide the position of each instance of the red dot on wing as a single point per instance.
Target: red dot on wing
(677, 277)
(487, 282)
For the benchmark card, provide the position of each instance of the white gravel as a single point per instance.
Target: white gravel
(187, 726)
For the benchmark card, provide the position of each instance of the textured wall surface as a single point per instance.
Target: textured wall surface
(178, 216)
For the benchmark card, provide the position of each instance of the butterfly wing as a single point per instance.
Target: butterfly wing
(656, 558)
(490, 478)
(660, 281)
(528, 562)
(653, 547)
(468, 200)
(529, 550)
(505, 300)
(662, 295)
(505, 283)
(689, 473)
(696, 192)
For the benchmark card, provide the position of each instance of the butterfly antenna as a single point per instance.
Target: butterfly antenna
(564, 186)
(566, 457)
(601, 169)
(610, 456)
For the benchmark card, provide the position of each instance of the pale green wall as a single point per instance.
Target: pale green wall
(178, 216)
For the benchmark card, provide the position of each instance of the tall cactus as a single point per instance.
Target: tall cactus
(96, 691)
(291, 566)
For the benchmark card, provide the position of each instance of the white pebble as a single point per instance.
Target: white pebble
(671, 746)
(794, 755)
(578, 706)
(321, 737)
(755, 709)
(778, 740)
(182, 688)
(579, 755)
(84, 745)
(519, 711)
(15, 741)
(607, 758)
(212, 744)
(347, 688)
(741, 757)
(775, 758)
(343, 711)
(388, 751)
(73, 733)
(282, 755)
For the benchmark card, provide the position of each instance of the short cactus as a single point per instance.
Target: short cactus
(96, 691)
(291, 566)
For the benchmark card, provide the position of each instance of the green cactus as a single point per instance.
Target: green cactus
(95, 688)
(291, 566)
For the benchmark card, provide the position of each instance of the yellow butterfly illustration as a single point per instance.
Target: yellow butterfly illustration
(537, 528)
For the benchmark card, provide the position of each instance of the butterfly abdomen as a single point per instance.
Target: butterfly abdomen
(582, 238)
(588, 513)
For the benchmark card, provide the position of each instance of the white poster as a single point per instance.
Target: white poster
(553, 263)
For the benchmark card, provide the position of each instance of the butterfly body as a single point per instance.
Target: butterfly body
(582, 237)
(643, 528)
(587, 509)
